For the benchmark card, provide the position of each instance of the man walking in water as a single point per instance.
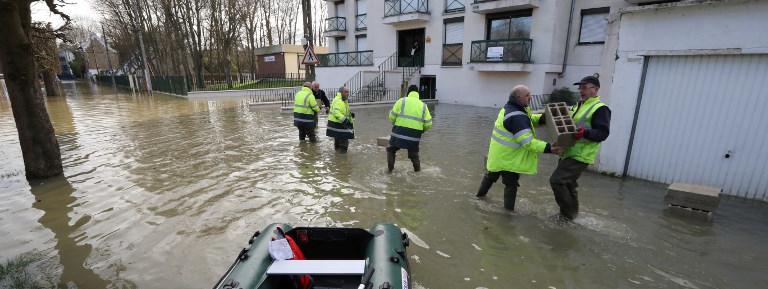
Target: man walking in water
(305, 111)
(411, 118)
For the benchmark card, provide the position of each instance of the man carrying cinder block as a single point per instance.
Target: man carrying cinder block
(592, 119)
(514, 149)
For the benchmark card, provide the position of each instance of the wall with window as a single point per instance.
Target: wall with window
(591, 25)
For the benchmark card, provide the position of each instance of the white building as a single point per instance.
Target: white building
(681, 77)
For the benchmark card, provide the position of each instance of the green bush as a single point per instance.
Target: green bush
(563, 94)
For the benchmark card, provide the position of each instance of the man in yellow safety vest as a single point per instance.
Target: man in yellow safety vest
(305, 111)
(411, 118)
(592, 118)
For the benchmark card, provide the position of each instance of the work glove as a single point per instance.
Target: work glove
(579, 133)
(353, 114)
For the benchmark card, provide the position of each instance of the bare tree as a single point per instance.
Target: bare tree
(39, 147)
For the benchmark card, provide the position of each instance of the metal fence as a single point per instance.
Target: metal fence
(241, 81)
(509, 50)
(454, 6)
(361, 22)
(352, 58)
(538, 101)
(168, 84)
(452, 54)
(335, 24)
(399, 7)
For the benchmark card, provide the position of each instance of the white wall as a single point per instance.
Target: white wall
(455, 84)
(730, 27)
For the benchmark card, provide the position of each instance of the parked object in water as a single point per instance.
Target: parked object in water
(334, 258)
(693, 200)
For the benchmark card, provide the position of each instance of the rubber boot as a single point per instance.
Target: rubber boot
(416, 164)
(390, 160)
(485, 185)
(510, 194)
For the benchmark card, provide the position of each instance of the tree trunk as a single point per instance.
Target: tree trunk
(51, 85)
(39, 146)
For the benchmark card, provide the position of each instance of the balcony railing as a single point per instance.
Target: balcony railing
(452, 54)
(352, 58)
(361, 22)
(399, 7)
(509, 50)
(454, 6)
(335, 24)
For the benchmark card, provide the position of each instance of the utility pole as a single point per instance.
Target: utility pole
(306, 8)
(143, 52)
(109, 61)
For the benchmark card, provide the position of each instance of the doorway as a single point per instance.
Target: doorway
(427, 86)
(410, 48)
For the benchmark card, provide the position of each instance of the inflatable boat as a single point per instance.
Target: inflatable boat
(283, 257)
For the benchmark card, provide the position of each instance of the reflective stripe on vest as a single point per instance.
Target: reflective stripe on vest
(405, 137)
(340, 130)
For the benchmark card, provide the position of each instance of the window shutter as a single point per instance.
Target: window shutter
(362, 43)
(361, 7)
(593, 28)
(454, 32)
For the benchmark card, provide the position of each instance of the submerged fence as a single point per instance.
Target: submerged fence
(168, 84)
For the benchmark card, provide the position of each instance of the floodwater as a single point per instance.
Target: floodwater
(162, 192)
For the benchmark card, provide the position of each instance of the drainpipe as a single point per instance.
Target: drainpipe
(567, 40)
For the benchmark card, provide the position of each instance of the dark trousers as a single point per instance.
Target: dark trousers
(340, 144)
(413, 154)
(305, 132)
(563, 182)
(510, 181)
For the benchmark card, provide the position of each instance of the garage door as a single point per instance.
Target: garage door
(704, 120)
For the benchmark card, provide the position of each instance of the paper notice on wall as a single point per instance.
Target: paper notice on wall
(270, 58)
(280, 250)
(495, 53)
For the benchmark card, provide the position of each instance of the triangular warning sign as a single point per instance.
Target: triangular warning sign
(309, 56)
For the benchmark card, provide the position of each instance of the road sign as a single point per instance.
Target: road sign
(309, 56)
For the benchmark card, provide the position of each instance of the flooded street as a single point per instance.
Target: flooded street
(163, 192)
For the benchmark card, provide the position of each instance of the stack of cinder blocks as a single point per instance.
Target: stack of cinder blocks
(559, 125)
(383, 141)
(693, 201)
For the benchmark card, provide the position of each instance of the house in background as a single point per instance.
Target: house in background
(96, 53)
(283, 59)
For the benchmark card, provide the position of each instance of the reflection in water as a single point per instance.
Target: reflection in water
(162, 192)
(54, 198)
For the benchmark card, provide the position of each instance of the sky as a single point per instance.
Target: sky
(79, 10)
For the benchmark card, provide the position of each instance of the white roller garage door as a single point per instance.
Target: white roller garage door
(704, 120)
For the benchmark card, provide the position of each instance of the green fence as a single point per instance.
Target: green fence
(168, 84)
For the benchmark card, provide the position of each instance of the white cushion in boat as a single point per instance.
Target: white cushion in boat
(317, 267)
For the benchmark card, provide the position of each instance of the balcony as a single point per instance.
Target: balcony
(405, 11)
(454, 6)
(452, 54)
(501, 55)
(361, 22)
(494, 6)
(352, 58)
(335, 27)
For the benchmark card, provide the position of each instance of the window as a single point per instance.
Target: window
(340, 45)
(340, 9)
(362, 43)
(361, 7)
(453, 41)
(593, 25)
(362, 16)
(509, 25)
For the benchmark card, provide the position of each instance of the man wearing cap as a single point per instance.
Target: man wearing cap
(514, 148)
(592, 118)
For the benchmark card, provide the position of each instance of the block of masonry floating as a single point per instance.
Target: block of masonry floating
(693, 196)
(383, 141)
(692, 213)
(559, 125)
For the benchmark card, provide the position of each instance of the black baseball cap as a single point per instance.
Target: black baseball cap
(589, 79)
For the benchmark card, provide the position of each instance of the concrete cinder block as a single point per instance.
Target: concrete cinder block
(693, 196)
(383, 141)
(692, 213)
(559, 125)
